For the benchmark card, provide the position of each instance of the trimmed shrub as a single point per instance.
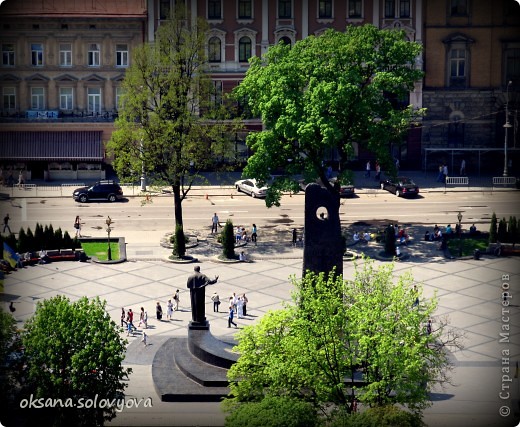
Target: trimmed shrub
(502, 231)
(273, 411)
(58, 239)
(381, 416)
(512, 230)
(493, 229)
(228, 240)
(39, 238)
(23, 244)
(67, 242)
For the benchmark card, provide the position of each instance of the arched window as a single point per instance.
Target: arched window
(285, 40)
(214, 49)
(244, 49)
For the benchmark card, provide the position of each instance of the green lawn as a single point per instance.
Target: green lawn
(99, 250)
(468, 246)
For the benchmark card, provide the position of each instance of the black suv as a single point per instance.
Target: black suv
(101, 190)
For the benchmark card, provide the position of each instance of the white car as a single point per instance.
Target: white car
(250, 187)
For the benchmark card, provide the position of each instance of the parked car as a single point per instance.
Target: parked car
(400, 186)
(346, 190)
(249, 186)
(101, 190)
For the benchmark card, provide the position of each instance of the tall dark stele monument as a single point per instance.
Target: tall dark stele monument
(323, 245)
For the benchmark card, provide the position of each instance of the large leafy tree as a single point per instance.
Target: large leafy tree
(372, 341)
(328, 93)
(170, 122)
(74, 351)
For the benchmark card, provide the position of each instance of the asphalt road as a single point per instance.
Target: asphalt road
(149, 221)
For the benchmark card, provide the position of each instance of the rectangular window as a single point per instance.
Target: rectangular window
(37, 98)
(404, 8)
(214, 9)
(284, 9)
(512, 66)
(216, 95)
(119, 94)
(245, 10)
(457, 63)
(121, 55)
(9, 98)
(8, 55)
(164, 9)
(459, 7)
(37, 54)
(94, 100)
(93, 55)
(65, 54)
(66, 98)
(325, 9)
(354, 9)
(389, 8)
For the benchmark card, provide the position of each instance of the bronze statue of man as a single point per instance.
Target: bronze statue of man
(197, 283)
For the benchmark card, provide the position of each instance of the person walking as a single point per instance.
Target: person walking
(143, 318)
(216, 302)
(77, 226)
(214, 223)
(6, 223)
(294, 236)
(230, 318)
(240, 307)
(158, 311)
(367, 170)
(130, 319)
(169, 310)
(463, 168)
(244, 305)
(378, 171)
(176, 298)
(123, 317)
(145, 337)
(254, 234)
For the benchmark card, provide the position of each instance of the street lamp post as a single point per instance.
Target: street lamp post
(459, 217)
(108, 223)
(143, 177)
(507, 125)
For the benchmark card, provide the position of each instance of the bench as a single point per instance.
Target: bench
(54, 256)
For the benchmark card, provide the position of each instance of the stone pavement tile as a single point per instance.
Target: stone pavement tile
(465, 320)
(451, 282)
(455, 302)
(157, 272)
(484, 273)
(484, 291)
(123, 280)
(92, 271)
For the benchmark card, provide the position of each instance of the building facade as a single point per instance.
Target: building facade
(61, 69)
(472, 75)
(63, 63)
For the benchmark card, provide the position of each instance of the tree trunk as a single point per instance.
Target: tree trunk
(177, 203)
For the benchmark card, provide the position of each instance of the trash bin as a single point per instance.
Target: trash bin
(476, 254)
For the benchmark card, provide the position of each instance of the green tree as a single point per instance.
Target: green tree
(502, 235)
(314, 348)
(273, 411)
(493, 229)
(23, 242)
(74, 350)
(228, 240)
(383, 416)
(67, 241)
(328, 93)
(8, 385)
(39, 237)
(58, 238)
(512, 229)
(169, 124)
(179, 243)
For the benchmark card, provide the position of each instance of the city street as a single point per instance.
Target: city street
(148, 222)
(469, 291)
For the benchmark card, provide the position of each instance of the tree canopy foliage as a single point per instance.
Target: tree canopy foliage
(343, 340)
(74, 350)
(170, 123)
(328, 93)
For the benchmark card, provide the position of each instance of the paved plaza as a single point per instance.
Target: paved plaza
(470, 293)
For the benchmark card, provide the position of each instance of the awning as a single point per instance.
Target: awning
(51, 146)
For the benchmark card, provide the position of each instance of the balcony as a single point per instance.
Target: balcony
(56, 116)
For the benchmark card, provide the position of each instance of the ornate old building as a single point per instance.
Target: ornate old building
(60, 72)
(472, 66)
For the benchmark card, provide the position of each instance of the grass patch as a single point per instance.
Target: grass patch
(99, 250)
(468, 246)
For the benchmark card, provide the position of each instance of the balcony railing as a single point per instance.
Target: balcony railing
(56, 116)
